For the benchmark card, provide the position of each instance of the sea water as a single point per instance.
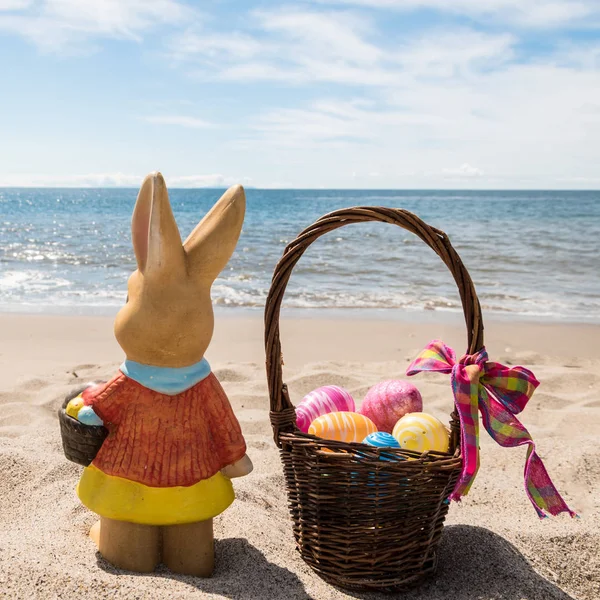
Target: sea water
(532, 254)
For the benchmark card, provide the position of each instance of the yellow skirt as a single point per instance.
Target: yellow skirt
(125, 500)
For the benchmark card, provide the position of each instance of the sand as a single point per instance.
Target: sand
(494, 547)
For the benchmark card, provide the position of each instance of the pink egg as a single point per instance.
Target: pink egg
(388, 401)
(323, 400)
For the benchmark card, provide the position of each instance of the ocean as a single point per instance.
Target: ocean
(531, 254)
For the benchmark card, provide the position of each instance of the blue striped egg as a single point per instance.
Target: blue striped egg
(382, 439)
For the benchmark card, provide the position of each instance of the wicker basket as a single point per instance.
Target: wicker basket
(80, 442)
(363, 523)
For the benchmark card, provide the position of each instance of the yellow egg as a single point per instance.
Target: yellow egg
(342, 426)
(421, 432)
(74, 406)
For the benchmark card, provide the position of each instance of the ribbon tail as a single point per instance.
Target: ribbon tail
(465, 386)
(507, 431)
(539, 487)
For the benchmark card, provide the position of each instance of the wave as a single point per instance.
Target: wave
(524, 258)
(52, 295)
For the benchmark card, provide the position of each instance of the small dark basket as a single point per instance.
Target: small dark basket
(360, 522)
(80, 442)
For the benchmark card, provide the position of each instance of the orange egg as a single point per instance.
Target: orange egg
(342, 426)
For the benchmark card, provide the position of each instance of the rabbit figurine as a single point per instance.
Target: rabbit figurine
(163, 471)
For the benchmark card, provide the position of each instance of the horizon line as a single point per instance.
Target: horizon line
(307, 189)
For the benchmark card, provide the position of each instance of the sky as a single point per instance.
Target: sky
(388, 94)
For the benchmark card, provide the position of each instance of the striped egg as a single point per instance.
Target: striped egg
(381, 439)
(323, 400)
(421, 432)
(342, 426)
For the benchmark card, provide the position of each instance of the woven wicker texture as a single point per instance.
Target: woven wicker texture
(363, 523)
(80, 442)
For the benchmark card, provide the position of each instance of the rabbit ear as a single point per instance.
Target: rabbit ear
(156, 239)
(210, 246)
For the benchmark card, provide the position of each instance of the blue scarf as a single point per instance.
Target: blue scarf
(166, 380)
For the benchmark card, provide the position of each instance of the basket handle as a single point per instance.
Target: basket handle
(283, 414)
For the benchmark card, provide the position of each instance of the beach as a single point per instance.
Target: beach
(494, 546)
(368, 172)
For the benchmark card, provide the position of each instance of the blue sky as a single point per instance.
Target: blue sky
(344, 94)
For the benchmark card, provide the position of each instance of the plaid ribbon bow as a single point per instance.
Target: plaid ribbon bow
(499, 393)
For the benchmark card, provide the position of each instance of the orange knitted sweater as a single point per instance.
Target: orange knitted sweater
(161, 440)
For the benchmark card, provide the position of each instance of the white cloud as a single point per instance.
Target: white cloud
(115, 180)
(410, 108)
(335, 123)
(456, 53)
(178, 120)
(86, 180)
(422, 102)
(14, 4)
(294, 46)
(56, 25)
(300, 47)
(527, 13)
(283, 35)
(523, 125)
(336, 35)
(194, 181)
(465, 171)
(215, 47)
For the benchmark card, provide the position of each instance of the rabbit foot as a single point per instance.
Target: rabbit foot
(188, 549)
(128, 546)
(239, 468)
(95, 533)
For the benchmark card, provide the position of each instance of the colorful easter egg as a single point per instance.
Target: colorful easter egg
(381, 439)
(323, 400)
(74, 406)
(421, 432)
(87, 416)
(388, 401)
(342, 426)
